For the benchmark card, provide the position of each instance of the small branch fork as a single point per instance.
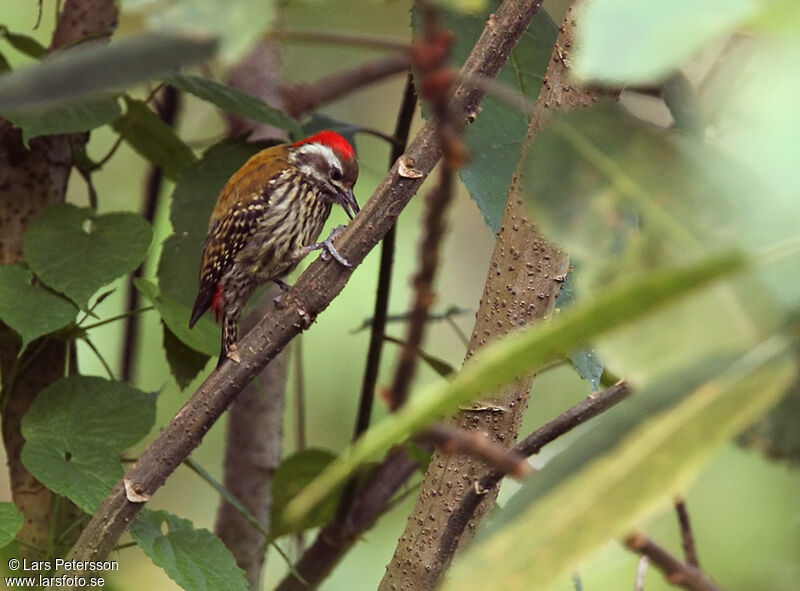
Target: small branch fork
(311, 294)
(675, 570)
(684, 574)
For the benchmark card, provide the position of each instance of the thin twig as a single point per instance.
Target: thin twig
(110, 154)
(311, 294)
(687, 537)
(380, 314)
(432, 317)
(675, 571)
(641, 573)
(302, 99)
(118, 317)
(101, 358)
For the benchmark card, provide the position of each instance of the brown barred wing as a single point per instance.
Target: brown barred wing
(226, 238)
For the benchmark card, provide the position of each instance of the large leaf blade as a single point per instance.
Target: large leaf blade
(196, 559)
(203, 338)
(235, 101)
(153, 139)
(75, 431)
(29, 308)
(76, 252)
(67, 117)
(95, 68)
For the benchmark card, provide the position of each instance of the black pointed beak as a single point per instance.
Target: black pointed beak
(349, 204)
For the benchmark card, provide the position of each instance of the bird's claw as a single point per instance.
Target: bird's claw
(329, 251)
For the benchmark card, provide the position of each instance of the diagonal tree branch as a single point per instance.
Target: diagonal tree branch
(311, 294)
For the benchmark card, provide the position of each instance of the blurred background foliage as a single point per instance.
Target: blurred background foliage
(744, 508)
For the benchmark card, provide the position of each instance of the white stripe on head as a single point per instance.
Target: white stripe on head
(306, 165)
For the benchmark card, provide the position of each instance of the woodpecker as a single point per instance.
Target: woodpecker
(267, 218)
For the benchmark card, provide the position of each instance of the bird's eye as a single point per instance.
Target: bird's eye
(336, 174)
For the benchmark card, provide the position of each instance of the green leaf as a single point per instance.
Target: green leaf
(238, 24)
(23, 43)
(496, 138)
(153, 139)
(292, 476)
(4, 65)
(184, 362)
(203, 338)
(97, 68)
(633, 42)
(75, 431)
(235, 101)
(512, 357)
(68, 117)
(192, 202)
(437, 364)
(587, 364)
(619, 489)
(584, 360)
(195, 559)
(10, 523)
(28, 307)
(76, 252)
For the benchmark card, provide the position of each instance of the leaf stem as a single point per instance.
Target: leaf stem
(100, 357)
(118, 317)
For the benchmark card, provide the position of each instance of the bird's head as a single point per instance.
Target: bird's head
(330, 160)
